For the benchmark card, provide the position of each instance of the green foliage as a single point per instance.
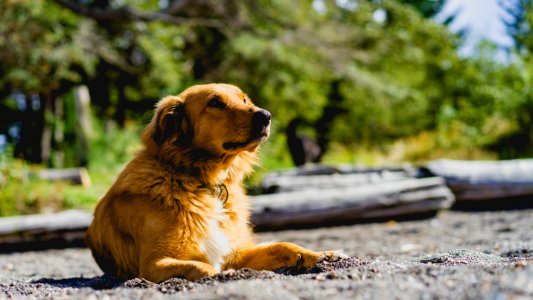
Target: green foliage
(427, 8)
(112, 146)
(162, 45)
(42, 44)
(21, 192)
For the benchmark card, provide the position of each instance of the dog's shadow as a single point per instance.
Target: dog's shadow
(103, 282)
(108, 281)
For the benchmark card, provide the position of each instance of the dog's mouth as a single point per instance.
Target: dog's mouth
(255, 139)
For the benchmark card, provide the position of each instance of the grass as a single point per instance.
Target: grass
(23, 193)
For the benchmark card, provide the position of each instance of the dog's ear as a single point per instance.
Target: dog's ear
(170, 120)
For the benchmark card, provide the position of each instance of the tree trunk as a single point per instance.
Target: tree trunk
(28, 146)
(99, 91)
(59, 135)
(83, 122)
(48, 120)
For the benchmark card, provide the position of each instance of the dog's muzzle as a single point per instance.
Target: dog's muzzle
(259, 132)
(260, 122)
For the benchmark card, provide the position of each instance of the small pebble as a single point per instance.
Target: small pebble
(520, 264)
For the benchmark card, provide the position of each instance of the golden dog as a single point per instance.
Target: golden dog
(178, 208)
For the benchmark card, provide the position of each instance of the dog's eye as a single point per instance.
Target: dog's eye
(244, 100)
(216, 103)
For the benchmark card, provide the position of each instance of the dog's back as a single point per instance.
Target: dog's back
(117, 220)
(112, 248)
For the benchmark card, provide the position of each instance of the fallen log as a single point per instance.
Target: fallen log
(72, 175)
(280, 184)
(43, 231)
(324, 177)
(320, 169)
(485, 180)
(374, 200)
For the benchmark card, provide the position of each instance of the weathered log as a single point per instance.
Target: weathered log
(43, 231)
(486, 180)
(321, 176)
(313, 182)
(73, 175)
(383, 199)
(320, 169)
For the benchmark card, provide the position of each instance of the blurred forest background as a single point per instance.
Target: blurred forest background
(79, 79)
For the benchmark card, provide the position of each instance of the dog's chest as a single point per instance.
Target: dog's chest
(216, 245)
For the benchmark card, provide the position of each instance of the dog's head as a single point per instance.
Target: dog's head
(213, 119)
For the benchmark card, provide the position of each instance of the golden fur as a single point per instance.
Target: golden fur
(178, 208)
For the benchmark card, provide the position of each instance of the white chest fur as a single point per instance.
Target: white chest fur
(215, 245)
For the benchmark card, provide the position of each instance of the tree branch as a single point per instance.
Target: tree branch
(127, 13)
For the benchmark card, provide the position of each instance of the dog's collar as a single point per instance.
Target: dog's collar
(218, 190)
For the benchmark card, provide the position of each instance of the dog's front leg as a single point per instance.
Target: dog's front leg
(158, 270)
(275, 256)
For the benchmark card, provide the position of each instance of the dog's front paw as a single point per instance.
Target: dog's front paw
(199, 273)
(309, 259)
(333, 255)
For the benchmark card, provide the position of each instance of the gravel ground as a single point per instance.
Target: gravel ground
(456, 255)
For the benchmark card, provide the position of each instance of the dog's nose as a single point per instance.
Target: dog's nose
(261, 119)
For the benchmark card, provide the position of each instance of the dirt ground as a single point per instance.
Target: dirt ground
(456, 255)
